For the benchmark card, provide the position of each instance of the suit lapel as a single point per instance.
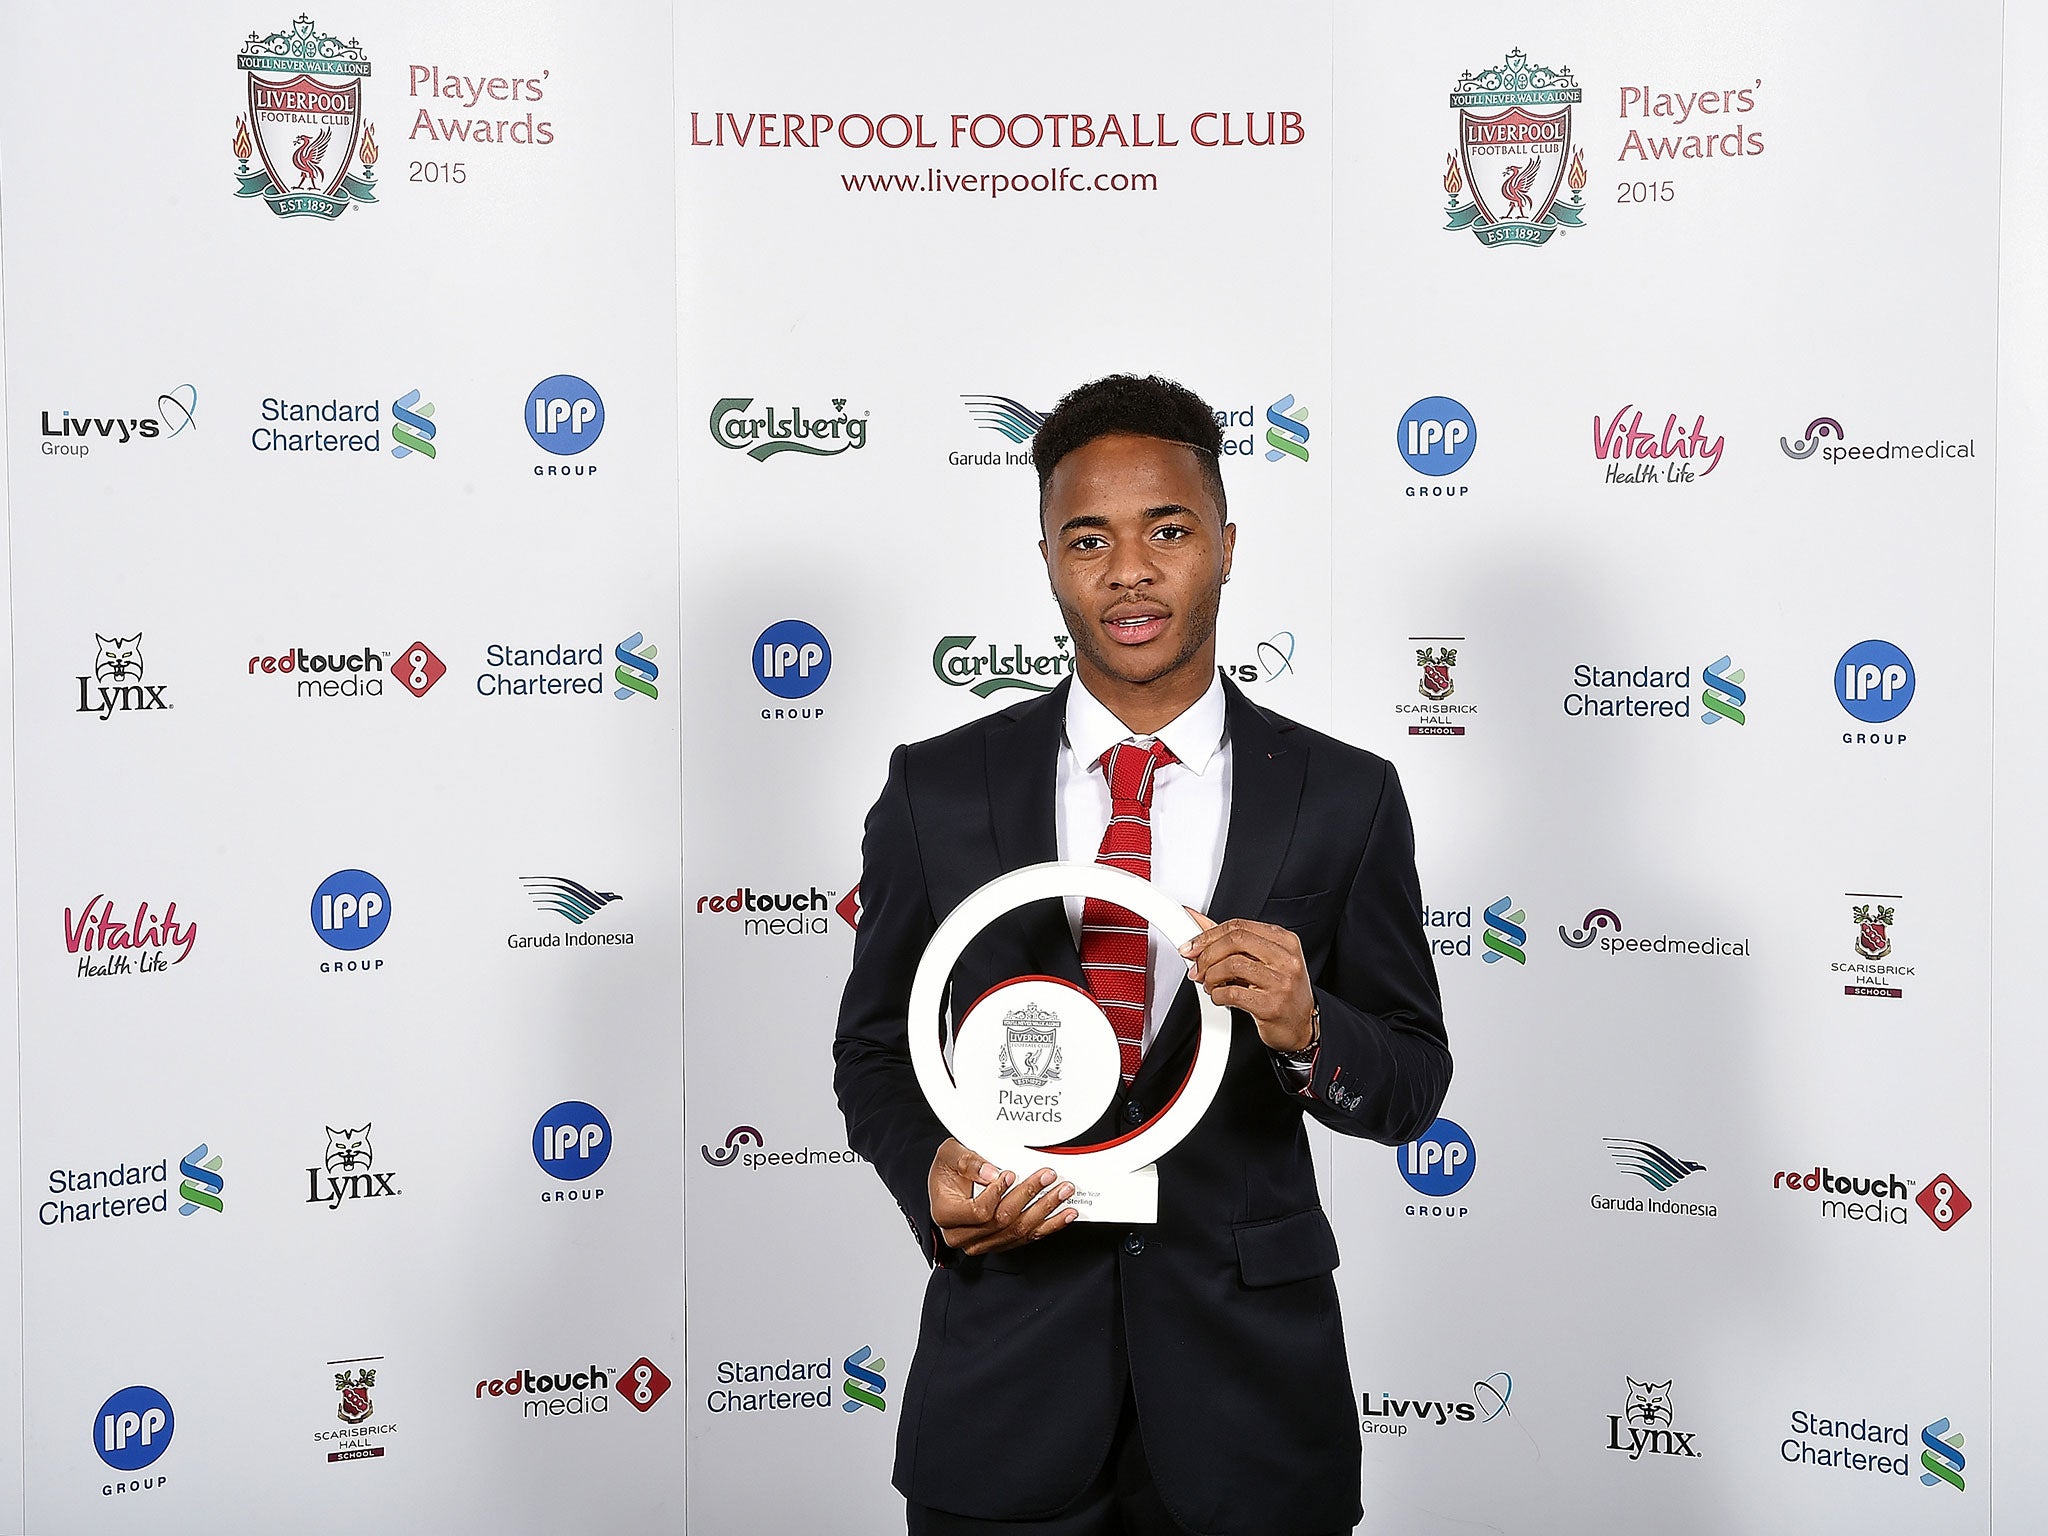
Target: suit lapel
(1267, 769)
(1023, 747)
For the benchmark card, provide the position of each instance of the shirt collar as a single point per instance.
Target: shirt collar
(1194, 736)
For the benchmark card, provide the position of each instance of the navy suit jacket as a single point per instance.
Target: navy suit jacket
(1222, 1317)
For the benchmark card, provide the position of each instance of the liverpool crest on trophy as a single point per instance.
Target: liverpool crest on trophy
(1515, 153)
(1031, 1052)
(304, 123)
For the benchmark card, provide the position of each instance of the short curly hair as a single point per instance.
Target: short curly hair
(1144, 407)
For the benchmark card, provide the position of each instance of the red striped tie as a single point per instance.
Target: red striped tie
(1114, 949)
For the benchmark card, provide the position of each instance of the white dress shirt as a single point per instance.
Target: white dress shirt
(1190, 815)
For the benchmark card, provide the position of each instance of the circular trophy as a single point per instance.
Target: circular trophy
(1035, 1061)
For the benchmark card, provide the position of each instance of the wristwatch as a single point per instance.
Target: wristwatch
(1306, 1056)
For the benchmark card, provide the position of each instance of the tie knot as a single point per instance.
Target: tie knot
(1131, 769)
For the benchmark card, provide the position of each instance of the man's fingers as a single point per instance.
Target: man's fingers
(1019, 1198)
(971, 1163)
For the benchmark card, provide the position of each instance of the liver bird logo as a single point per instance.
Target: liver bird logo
(1515, 186)
(308, 155)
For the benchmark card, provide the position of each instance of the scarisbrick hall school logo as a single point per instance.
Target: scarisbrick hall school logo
(306, 113)
(1514, 145)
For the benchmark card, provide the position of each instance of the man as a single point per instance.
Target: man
(1081, 1378)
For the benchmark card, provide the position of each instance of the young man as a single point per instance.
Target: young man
(1080, 1378)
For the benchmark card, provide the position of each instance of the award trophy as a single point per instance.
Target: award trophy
(1035, 1061)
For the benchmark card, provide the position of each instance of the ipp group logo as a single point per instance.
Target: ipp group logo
(74, 435)
(564, 417)
(1514, 139)
(111, 941)
(351, 909)
(792, 659)
(1874, 682)
(572, 1142)
(305, 102)
(1436, 1165)
(131, 1431)
(412, 426)
(1437, 437)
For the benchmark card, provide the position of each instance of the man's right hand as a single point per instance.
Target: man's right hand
(1008, 1213)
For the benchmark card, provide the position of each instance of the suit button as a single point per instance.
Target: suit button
(1133, 1243)
(1133, 1113)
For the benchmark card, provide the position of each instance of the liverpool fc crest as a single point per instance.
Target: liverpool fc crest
(1515, 153)
(1873, 931)
(1031, 1052)
(1436, 672)
(304, 123)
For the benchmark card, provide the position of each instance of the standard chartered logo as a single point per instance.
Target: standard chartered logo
(1723, 696)
(1505, 935)
(1943, 1456)
(865, 1384)
(636, 670)
(1286, 432)
(412, 430)
(202, 1183)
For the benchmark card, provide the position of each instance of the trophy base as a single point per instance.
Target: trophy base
(1130, 1197)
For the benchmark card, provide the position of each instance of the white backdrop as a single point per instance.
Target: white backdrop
(1836, 284)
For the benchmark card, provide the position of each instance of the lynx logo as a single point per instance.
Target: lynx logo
(792, 659)
(351, 910)
(1437, 437)
(1874, 682)
(564, 416)
(347, 1174)
(134, 1428)
(116, 684)
(1643, 1427)
(572, 1141)
(1440, 1162)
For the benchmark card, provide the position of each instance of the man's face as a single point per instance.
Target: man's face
(1138, 551)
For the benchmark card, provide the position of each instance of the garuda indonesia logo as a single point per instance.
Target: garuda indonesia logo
(1514, 141)
(1031, 1052)
(306, 110)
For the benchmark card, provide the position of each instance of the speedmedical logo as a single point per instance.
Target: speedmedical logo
(746, 1147)
(1874, 683)
(1437, 437)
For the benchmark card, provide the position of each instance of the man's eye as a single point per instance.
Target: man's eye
(1090, 541)
(1172, 532)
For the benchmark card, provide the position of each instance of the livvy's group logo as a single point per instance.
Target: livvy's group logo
(1674, 454)
(112, 941)
(1515, 152)
(564, 417)
(987, 668)
(1436, 662)
(1272, 658)
(762, 435)
(1393, 1415)
(1437, 437)
(305, 105)
(347, 1172)
(1825, 435)
(1872, 973)
(116, 686)
(73, 436)
(1644, 1426)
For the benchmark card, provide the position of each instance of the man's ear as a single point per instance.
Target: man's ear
(1229, 547)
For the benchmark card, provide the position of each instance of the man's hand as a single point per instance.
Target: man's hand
(1258, 968)
(1008, 1213)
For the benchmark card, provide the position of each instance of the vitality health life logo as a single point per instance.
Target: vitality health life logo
(636, 671)
(305, 103)
(1722, 695)
(1943, 1456)
(412, 426)
(1505, 935)
(202, 1183)
(1514, 137)
(864, 1384)
(1286, 430)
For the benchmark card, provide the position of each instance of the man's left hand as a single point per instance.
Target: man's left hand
(1258, 968)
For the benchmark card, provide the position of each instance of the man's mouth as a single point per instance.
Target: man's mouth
(1135, 627)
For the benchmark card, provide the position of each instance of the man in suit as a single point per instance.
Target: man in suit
(1084, 1379)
